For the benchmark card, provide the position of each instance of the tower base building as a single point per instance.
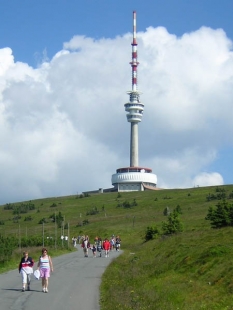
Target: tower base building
(130, 179)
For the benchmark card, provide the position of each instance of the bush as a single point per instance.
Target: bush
(230, 195)
(59, 218)
(94, 211)
(127, 205)
(85, 222)
(43, 220)
(9, 206)
(23, 208)
(151, 233)
(7, 245)
(173, 224)
(178, 209)
(221, 216)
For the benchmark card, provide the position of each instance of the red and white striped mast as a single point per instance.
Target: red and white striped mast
(134, 63)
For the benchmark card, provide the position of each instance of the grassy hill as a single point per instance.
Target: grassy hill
(189, 270)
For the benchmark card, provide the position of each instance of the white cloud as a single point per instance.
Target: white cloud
(208, 179)
(63, 127)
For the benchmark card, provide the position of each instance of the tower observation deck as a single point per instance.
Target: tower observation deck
(134, 178)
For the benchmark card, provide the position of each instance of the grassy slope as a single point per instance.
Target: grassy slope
(192, 270)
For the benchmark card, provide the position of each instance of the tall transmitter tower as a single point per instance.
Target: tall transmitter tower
(134, 178)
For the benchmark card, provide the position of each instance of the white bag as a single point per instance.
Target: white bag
(37, 274)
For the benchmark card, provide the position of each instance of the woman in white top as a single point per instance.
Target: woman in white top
(45, 265)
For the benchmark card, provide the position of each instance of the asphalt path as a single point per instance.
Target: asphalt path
(74, 284)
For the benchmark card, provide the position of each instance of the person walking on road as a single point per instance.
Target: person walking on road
(99, 246)
(118, 243)
(94, 250)
(25, 269)
(85, 245)
(45, 266)
(74, 241)
(112, 242)
(106, 247)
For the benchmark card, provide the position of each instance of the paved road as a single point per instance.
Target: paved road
(73, 285)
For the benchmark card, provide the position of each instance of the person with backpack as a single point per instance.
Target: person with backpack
(45, 266)
(25, 269)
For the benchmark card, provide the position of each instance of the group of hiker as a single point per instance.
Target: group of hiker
(106, 245)
(45, 265)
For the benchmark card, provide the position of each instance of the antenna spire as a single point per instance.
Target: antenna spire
(134, 63)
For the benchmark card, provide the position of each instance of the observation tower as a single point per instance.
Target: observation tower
(134, 177)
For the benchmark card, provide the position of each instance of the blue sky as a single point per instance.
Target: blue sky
(64, 73)
(33, 26)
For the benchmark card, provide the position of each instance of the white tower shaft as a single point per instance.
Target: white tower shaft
(134, 145)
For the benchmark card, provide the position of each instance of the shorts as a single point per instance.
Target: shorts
(45, 273)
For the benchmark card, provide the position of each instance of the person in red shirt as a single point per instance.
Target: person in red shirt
(106, 247)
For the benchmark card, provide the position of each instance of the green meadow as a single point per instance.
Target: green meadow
(189, 270)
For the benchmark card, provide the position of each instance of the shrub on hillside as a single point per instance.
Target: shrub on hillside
(43, 220)
(58, 218)
(126, 204)
(151, 233)
(31, 241)
(16, 219)
(9, 206)
(53, 205)
(178, 209)
(94, 211)
(173, 224)
(85, 222)
(119, 195)
(230, 195)
(7, 245)
(221, 216)
(218, 196)
(23, 208)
